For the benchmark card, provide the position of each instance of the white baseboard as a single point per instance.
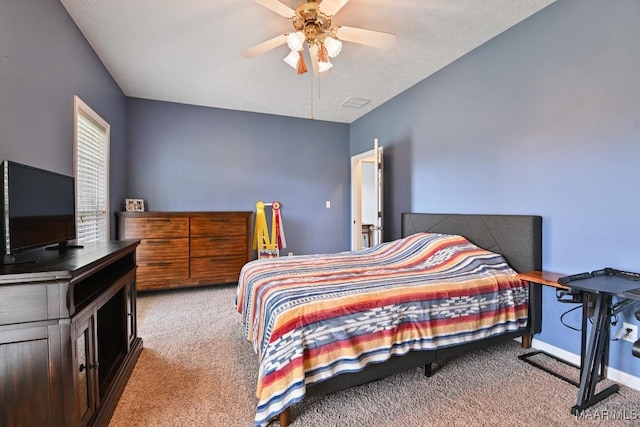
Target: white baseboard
(612, 374)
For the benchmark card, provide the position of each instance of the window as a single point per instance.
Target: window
(91, 167)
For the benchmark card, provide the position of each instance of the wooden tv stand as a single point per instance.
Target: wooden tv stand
(68, 338)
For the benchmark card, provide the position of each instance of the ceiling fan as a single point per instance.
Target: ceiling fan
(312, 24)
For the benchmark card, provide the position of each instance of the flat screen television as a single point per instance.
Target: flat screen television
(38, 209)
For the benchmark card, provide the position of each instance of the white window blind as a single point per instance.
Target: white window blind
(92, 174)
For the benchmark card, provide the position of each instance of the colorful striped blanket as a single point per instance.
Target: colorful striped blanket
(313, 317)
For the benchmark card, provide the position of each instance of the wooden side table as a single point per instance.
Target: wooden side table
(548, 278)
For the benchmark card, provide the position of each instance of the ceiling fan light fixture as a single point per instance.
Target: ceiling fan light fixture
(296, 60)
(324, 66)
(292, 59)
(333, 46)
(296, 40)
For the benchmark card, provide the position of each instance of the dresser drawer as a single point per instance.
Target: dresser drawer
(218, 225)
(155, 227)
(160, 272)
(218, 246)
(220, 269)
(161, 249)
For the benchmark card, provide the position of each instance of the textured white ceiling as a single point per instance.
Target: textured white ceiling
(188, 51)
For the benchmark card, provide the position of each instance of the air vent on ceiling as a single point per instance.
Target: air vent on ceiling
(354, 102)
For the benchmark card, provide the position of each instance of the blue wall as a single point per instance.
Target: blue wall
(44, 62)
(544, 119)
(184, 157)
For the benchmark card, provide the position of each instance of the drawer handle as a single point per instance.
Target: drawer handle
(82, 366)
(158, 264)
(156, 242)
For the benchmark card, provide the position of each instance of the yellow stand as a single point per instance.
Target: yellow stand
(267, 244)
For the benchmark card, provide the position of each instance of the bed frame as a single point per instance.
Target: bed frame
(517, 237)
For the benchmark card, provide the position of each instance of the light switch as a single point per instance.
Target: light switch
(327, 204)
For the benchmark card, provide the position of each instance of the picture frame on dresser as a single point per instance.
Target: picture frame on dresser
(134, 205)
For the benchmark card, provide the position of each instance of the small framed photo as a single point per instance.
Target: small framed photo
(134, 205)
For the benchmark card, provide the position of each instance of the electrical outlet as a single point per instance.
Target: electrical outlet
(631, 336)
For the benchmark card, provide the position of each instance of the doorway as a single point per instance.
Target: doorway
(366, 198)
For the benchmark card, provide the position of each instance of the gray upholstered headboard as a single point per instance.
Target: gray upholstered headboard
(517, 237)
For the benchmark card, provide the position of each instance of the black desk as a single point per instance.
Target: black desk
(605, 287)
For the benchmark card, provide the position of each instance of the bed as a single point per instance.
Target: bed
(321, 323)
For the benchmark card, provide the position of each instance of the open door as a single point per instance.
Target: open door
(367, 198)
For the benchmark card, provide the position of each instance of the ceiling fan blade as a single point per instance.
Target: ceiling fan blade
(367, 37)
(279, 8)
(331, 7)
(263, 47)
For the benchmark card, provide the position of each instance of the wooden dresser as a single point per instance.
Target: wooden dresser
(180, 249)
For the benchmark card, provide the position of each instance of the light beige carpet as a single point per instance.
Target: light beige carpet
(196, 369)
